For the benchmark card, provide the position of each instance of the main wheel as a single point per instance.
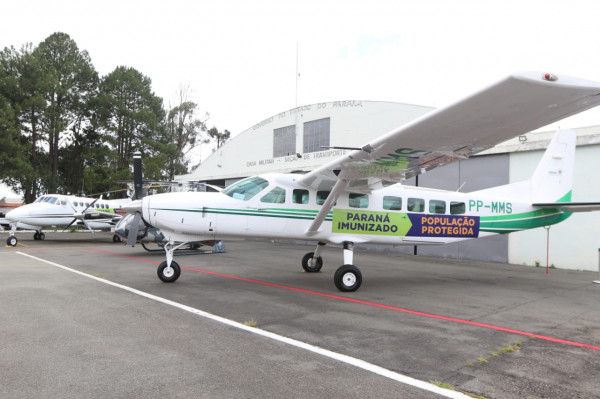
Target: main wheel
(310, 264)
(347, 278)
(36, 236)
(116, 238)
(41, 236)
(12, 241)
(168, 275)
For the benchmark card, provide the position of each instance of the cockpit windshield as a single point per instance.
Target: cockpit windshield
(247, 188)
(51, 200)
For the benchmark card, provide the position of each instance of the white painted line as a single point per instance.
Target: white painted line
(315, 349)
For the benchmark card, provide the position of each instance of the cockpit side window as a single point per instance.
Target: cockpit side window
(51, 200)
(246, 189)
(275, 196)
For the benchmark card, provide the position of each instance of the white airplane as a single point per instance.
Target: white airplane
(56, 210)
(355, 199)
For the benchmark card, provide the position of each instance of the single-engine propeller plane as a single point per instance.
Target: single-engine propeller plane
(356, 198)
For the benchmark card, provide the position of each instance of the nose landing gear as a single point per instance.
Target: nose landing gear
(12, 241)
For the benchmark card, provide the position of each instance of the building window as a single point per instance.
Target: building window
(437, 206)
(316, 135)
(284, 141)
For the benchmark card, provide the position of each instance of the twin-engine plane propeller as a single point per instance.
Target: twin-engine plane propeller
(356, 199)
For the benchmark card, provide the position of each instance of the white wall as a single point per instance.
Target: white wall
(574, 243)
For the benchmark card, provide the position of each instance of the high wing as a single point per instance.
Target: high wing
(570, 207)
(515, 105)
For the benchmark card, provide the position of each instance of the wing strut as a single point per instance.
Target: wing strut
(335, 193)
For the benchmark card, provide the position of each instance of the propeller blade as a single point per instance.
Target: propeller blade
(87, 225)
(137, 175)
(133, 230)
(91, 205)
(73, 221)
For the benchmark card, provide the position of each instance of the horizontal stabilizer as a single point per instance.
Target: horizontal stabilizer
(570, 207)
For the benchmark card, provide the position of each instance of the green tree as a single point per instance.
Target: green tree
(184, 131)
(68, 83)
(132, 117)
(218, 137)
(23, 165)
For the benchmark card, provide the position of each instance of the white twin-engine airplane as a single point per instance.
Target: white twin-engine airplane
(56, 210)
(354, 199)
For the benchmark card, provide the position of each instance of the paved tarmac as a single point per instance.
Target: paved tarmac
(74, 337)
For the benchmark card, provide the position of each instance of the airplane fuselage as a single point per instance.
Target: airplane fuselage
(55, 211)
(397, 215)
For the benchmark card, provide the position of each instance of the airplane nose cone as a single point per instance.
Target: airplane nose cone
(133, 207)
(14, 215)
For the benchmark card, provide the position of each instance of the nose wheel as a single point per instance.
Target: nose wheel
(11, 241)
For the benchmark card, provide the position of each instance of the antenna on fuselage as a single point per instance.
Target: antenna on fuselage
(461, 186)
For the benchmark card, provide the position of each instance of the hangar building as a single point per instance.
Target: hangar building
(292, 141)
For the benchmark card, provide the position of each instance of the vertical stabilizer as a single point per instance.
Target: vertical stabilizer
(553, 178)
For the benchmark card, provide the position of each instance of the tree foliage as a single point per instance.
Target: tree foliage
(65, 129)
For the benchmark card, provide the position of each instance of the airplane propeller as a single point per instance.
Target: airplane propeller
(81, 215)
(134, 225)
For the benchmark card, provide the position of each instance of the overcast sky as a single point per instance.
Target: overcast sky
(240, 56)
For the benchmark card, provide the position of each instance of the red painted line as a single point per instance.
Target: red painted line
(374, 304)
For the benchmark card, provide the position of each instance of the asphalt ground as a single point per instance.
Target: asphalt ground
(469, 324)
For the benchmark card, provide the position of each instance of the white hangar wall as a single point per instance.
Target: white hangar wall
(574, 243)
(350, 123)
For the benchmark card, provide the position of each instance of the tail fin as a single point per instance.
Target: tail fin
(552, 181)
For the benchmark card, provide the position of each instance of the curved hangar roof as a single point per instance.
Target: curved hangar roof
(292, 140)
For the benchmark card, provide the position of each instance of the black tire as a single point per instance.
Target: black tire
(116, 238)
(12, 241)
(307, 263)
(347, 278)
(36, 236)
(195, 246)
(169, 277)
(41, 236)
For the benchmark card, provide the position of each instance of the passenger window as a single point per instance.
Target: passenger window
(87, 204)
(97, 206)
(358, 200)
(415, 205)
(437, 206)
(275, 196)
(457, 208)
(392, 203)
(322, 196)
(300, 196)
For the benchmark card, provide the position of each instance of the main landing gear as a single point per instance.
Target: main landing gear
(39, 236)
(116, 239)
(347, 278)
